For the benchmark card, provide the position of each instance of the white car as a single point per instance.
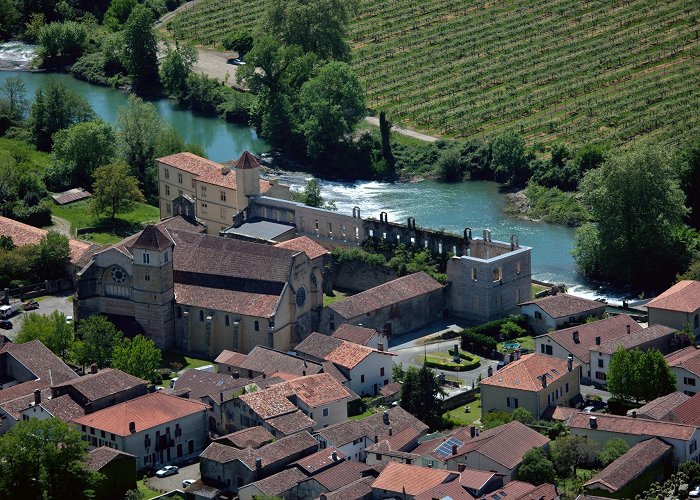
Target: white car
(168, 470)
(188, 482)
(69, 320)
(694, 493)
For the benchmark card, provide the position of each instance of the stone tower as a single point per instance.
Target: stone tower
(247, 179)
(153, 292)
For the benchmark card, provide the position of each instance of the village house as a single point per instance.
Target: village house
(360, 489)
(397, 307)
(520, 490)
(453, 490)
(498, 450)
(688, 412)
(479, 482)
(578, 340)
(533, 382)
(554, 312)
(218, 191)
(252, 437)
(631, 474)
(118, 469)
(395, 448)
(156, 428)
(408, 481)
(685, 365)
(602, 427)
(657, 337)
(364, 336)
(280, 485)
(367, 369)
(678, 307)
(660, 408)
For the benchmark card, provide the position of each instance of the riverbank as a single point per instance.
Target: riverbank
(540, 204)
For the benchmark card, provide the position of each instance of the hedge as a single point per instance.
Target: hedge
(451, 366)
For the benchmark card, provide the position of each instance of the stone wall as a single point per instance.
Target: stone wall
(357, 276)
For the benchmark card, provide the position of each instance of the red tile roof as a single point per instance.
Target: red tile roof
(564, 305)
(284, 449)
(202, 383)
(451, 490)
(153, 238)
(279, 483)
(390, 389)
(411, 479)
(688, 359)
(246, 161)
(304, 244)
(393, 292)
(320, 460)
(14, 406)
(561, 413)
(519, 490)
(625, 469)
(684, 296)
(475, 479)
(356, 490)
(63, 408)
(291, 423)
(230, 358)
(99, 457)
(688, 412)
(607, 329)
(253, 437)
(526, 373)
(232, 301)
(357, 334)
(71, 196)
(660, 407)
(653, 333)
(145, 411)
(629, 425)
(39, 360)
(106, 382)
(206, 170)
(24, 234)
(341, 474)
(341, 352)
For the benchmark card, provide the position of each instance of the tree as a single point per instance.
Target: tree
(385, 134)
(495, 419)
(509, 161)
(140, 50)
(523, 416)
(13, 103)
(138, 356)
(536, 468)
(45, 459)
(634, 375)
(52, 256)
(449, 165)
(84, 147)
(420, 395)
(51, 330)
(682, 339)
(239, 40)
(56, 107)
(397, 372)
(311, 196)
(97, 339)
(332, 103)
(690, 180)
(115, 191)
(612, 450)
(691, 470)
(140, 126)
(174, 70)
(571, 452)
(318, 26)
(638, 205)
(61, 43)
(118, 13)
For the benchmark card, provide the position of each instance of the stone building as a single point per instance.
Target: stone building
(678, 307)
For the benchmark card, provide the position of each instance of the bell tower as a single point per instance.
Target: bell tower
(247, 179)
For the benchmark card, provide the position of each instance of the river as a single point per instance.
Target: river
(433, 204)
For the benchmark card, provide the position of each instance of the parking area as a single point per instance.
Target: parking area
(174, 482)
(62, 303)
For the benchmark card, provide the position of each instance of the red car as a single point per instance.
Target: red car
(30, 306)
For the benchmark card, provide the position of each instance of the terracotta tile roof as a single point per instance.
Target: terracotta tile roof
(146, 411)
(633, 426)
(358, 334)
(525, 374)
(232, 301)
(24, 234)
(332, 370)
(519, 490)
(561, 413)
(356, 490)
(153, 238)
(252, 437)
(412, 479)
(206, 171)
(630, 465)
(374, 425)
(393, 292)
(99, 457)
(279, 483)
(660, 407)
(320, 460)
(201, 383)
(230, 358)
(688, 359)
(284, 449)
(15, 406)
(291, 423)
(63, 408)
(688, 411)
(304, 244)
(636, 339)
(266, 360)
(341, 352)
(341, 474)
(39, 360)
(23, 389)
(607, 329)
(684, 296)
(563, 305)
(451, 490)
(475, 479)
(390, 389)
(246, 161)
(106, 382)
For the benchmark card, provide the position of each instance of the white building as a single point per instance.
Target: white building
(364, 336)
(685, 365)
(677, 307)
(559, 311)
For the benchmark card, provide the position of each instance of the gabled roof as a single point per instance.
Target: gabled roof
(688, 412)
(341, 474)
(660, 407)
(24, 234)
(356, 490)
(63, 408)
(561, 413)
(687, 358)
(519, 490)
(39, 360)
(654, 332)
(625, 469)
(607, 329)
(290, 423)
(447, 491)
(277, 484)
(206, 170)
(393, 292)
(341, 352)
(525, 374)
(273, 453)
(246, 161)
(684, 296)
(320, 460)
(304, 244)
(153, 238)
(475, 479)
(563, 305)
(358, 334)
(99, 457)
(270, 361)
(105, 383)
(202, 383)
(230, 358)
(252, 437)
(634, 426)
(146, 412)
(411, 479)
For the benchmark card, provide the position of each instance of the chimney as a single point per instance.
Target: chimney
(570, 362)
(235, 374)
(264, 375)
(93, 368)
(489, 371)
(386, 417)
(454, 449)
(593, 422)
(574, 334)
(634, 413)
(225, 170)
(544, 380)
(472, 431)
(323, 497)
(380, 346)
(37, 396)
(258, 463)
(629, 329)
(334, 456)
(391, 431)
(132, 427)
(597, 341)
(376, 439)
(461, 467)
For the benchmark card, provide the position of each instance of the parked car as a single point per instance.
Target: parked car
(30, 306)
(236, 61)
(188, 482)
(69, 320)
(5, 325)
(168, 470)
(694, 493)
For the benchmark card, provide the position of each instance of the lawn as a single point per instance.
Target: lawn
(12, 150)
(330, 299)
(147, 492)
(170, 357)
(538, 288)
(525, 343)
(463, 417)
(101, 229)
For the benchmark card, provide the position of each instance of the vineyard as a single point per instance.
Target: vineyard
(572, 70)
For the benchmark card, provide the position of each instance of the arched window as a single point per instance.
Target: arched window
(256, 325)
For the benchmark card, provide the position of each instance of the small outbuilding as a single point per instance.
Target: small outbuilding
(559, 311)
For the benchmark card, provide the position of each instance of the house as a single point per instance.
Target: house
(252, 437)
(278, 485)
(354, 436)
(533, 382)
(452, 490)
(602, 427)
(554, 312)
(660, 408)
(364, 336)
(156, 428)
(367, 369)
(173, 284)
(118, 468)
(229, 468)
(45, 407)
(219, 192)
(479, 482)
(520, 490)
(408, 481)
(688, 412)
(685, 365)
(303, 403)
(360, 489)
(397, 307)
(394, 448)
(578, 340)
(645, 463)
(677, 307)
(24, 370)
(657, 337)
(498, 450)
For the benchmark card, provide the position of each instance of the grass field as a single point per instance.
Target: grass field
(170, 357)
(13, 151)
(330, 299)
(466, 417)
(554, 70)
(525, 343)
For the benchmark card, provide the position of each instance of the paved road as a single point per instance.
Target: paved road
(46, 307)
(589, 389)
(404, 131)
(171, 483)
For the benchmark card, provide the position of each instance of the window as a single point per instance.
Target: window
(696, 321)
(92, 430)
(379, 457)
(204, 208)
(693, 446)
(600, 362)
(601, 376)
(83, 428)
(546, 349)
(201, 315)
(325, 412)
(204, 191)
(572, 319)
(166, 256)
(256, 325)
(147, 277)
(518, 266)
(179, 178)
(567, 388)
(381, 371)
(362, 378)
(179, 192)
(497, 274)
(168, 208)
(146, 258)
(689, 381)
(178, 311)
(538, 315)
(512, 402)
(226, 320)
(194, 186)
(167, 190)
(473, 273)
(166, 172)
(113, 437)
(222, 195)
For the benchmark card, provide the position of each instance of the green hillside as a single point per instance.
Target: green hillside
(572, 70)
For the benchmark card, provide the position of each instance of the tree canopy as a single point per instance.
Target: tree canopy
(419, 395)
(612, 450)
(138, 356)
(634, 375)
(139, 126)
(97, 337)
(140, 49)
(51, 330)
(115, 191)
(174, 70)
(84, 147)
(571, 452)
(536, 468)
